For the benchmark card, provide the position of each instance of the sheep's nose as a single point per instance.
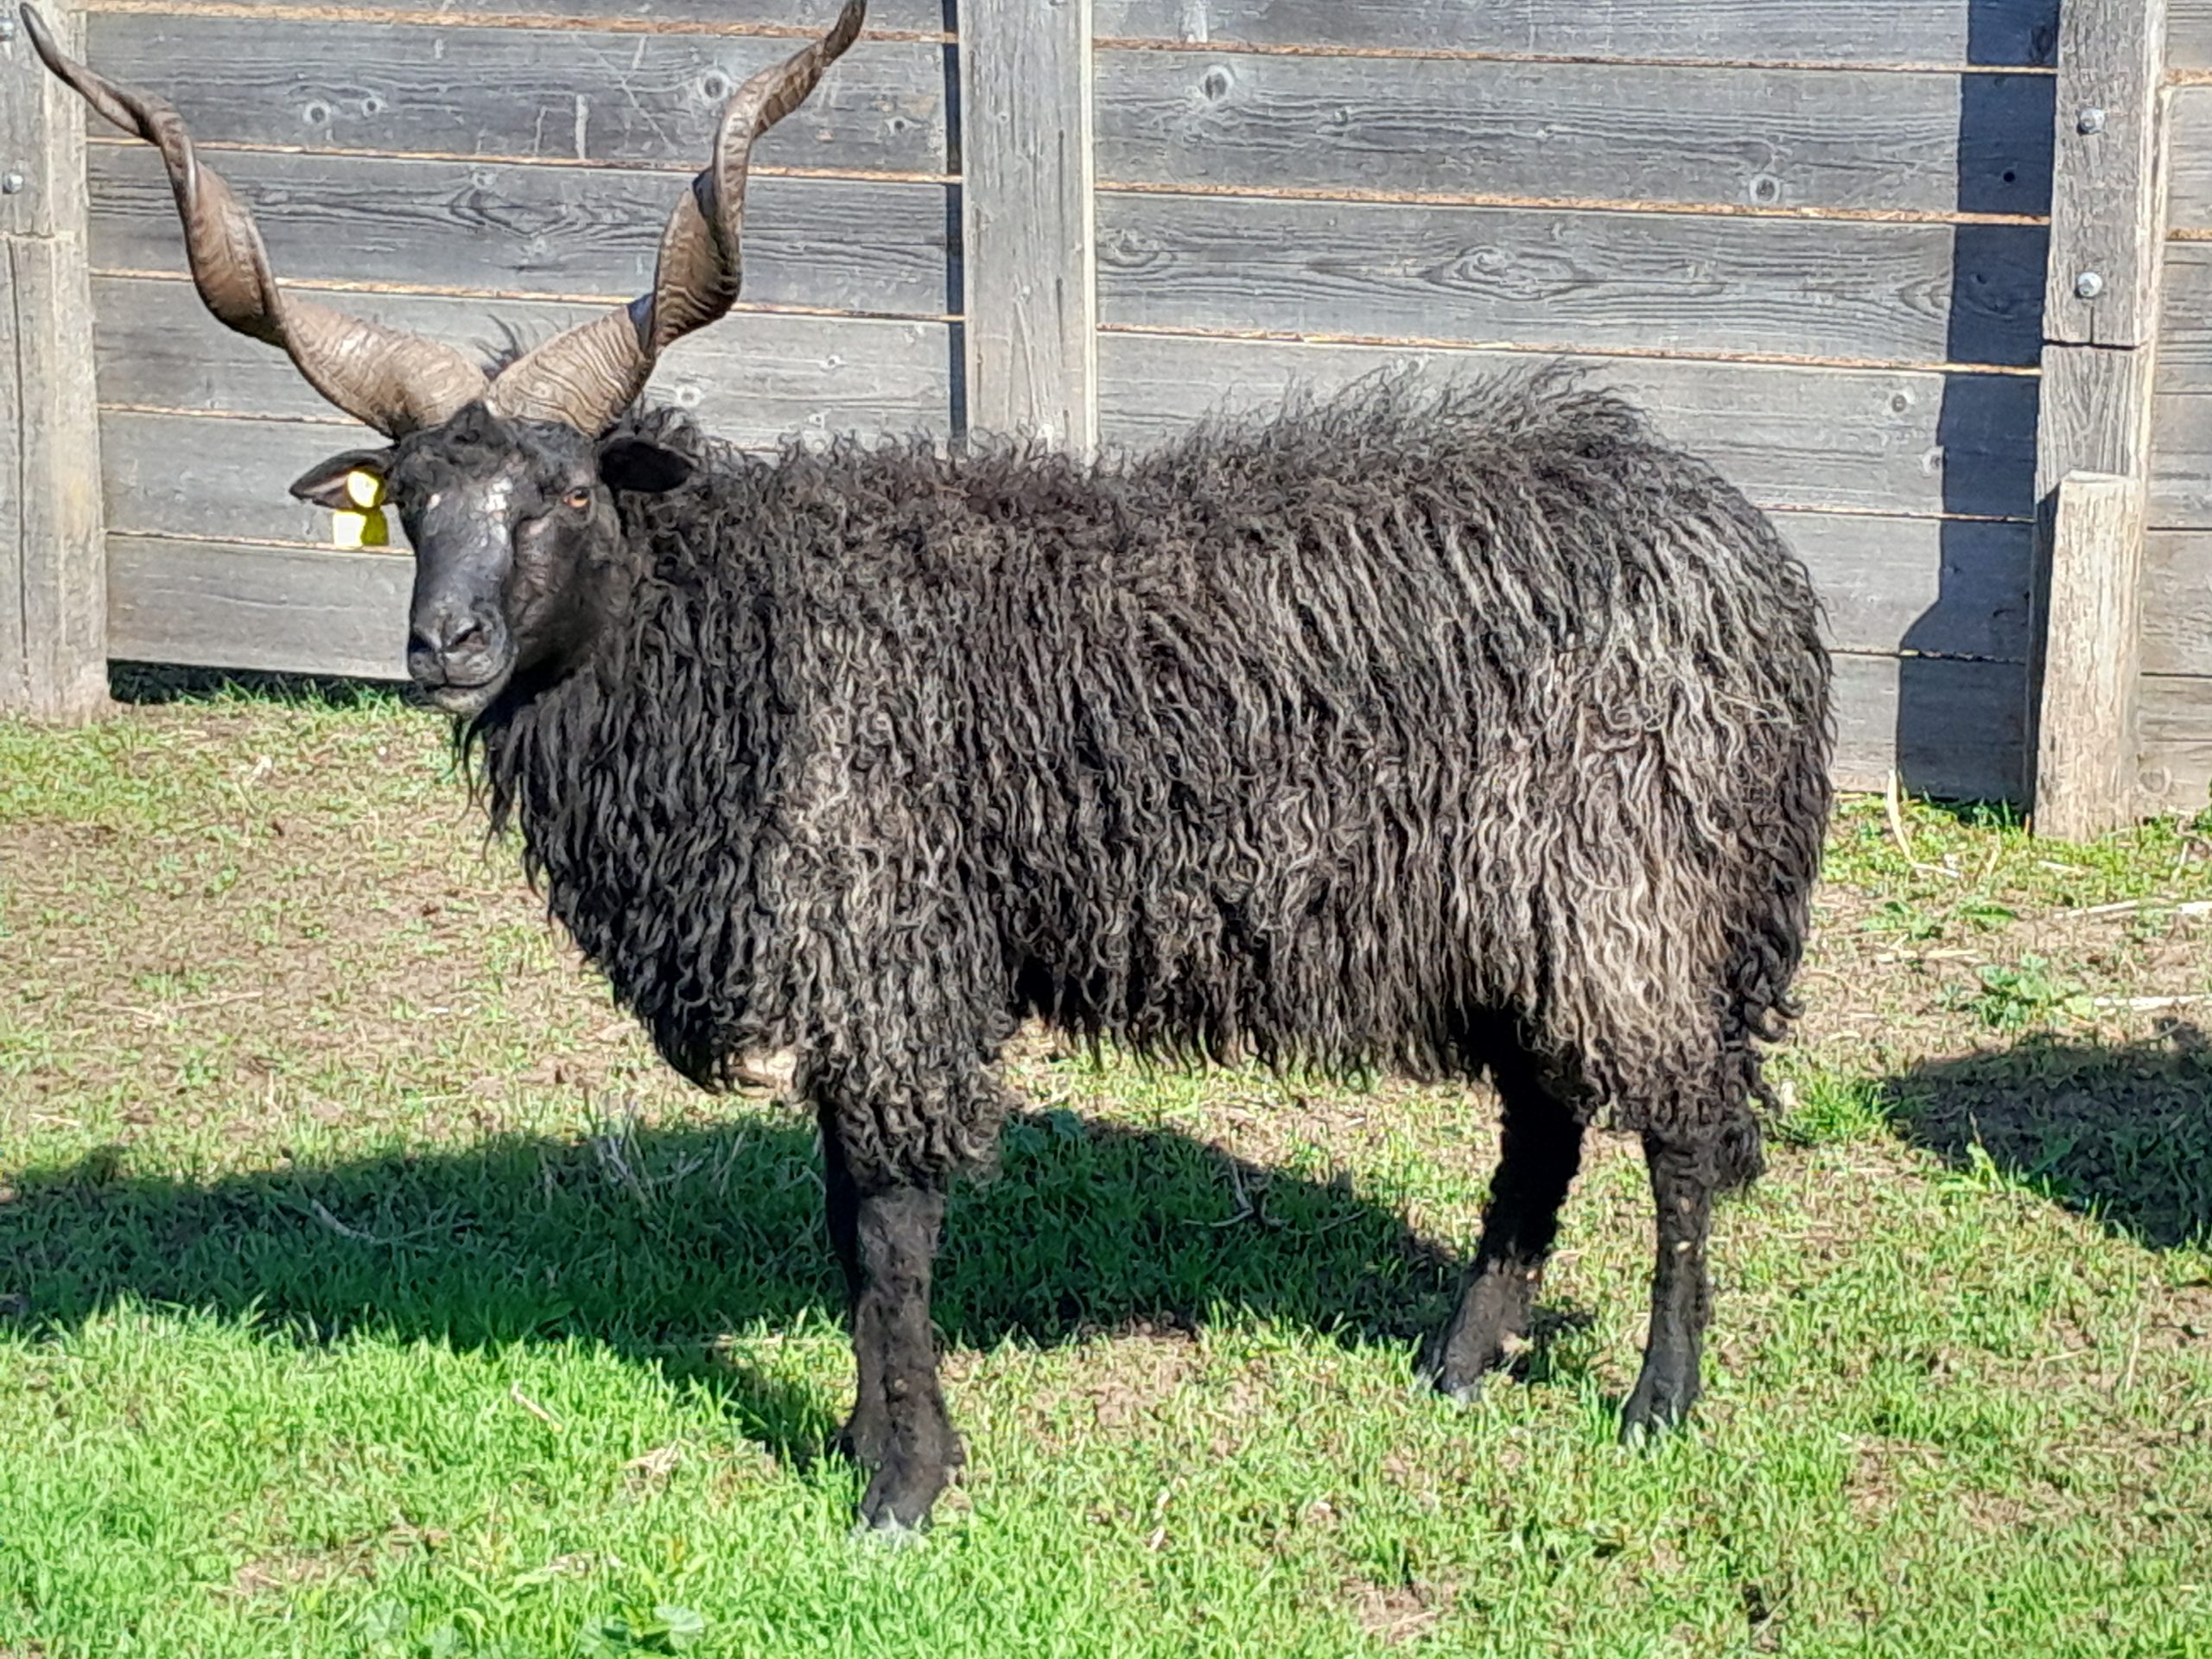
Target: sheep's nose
(449, 646)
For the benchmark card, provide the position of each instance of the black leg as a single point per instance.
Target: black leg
(1542, 1147)
(1682, 1301)
(897, 1231)
(867, 1433)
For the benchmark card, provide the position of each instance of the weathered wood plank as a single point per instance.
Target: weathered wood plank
(1742, 138)
(1951, 728)
(52, 654)
(2087, 758)
(1993, 32)
(2176, 619)
(273, 608)
(223, 474)
(1934, 587)
(2106, 190)
(1908, 294)
(753, 378)
(487, 226)
(521, 93)
(1031, 308)
(1865, 441)
(2180, 423)
(2181, 461)
(2176, 715)
(2189, 34)
(782, 17)
(2188, 164)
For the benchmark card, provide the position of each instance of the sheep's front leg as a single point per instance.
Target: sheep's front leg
(901, 1408)
(1681, 1299)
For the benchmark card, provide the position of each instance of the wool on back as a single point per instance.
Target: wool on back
(1339, 738)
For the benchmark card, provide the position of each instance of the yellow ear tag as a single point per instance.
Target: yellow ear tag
(365, 525)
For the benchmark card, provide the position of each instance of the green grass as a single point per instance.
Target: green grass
(366, 1289)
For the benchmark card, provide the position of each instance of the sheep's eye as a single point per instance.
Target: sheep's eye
(576, 501)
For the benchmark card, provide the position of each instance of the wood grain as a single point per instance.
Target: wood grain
(226, 477)
(2087, 754)
(1889, 294)
(753, 378)
(2176, 619)
(1894, 441)
(2106, 190)
(521, 93)
(287, 611)
(1960, 32)
(1032, 302)
(2176, 715)
(52, 654)
(1761, 138)
(776, 17)
(495, 227)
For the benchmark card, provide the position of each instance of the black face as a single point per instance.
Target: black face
(510, 522)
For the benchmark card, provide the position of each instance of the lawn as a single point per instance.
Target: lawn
(367, 1290)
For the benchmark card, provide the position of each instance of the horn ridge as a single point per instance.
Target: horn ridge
(386, 377)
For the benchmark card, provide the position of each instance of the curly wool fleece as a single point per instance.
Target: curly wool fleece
(1369, 735)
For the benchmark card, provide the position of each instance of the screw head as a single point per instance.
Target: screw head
(11, 184)
(2090, 121)
(2089, 284)
(6, 30)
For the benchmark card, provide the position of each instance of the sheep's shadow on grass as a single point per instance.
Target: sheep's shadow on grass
(2122, 1131)
(657, 1244)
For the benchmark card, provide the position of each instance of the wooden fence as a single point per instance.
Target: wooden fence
(1815, 241)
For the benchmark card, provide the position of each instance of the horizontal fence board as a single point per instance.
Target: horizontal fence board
(752, 377)
(224, 476)
(1951, 728)
(279, 609)
(1740, 137)
(1994, 32)
(1934, 587)
(521, 93)
(1690, 284)
(302, 611)
(2177, 620)
(780, 16)
(2188, 159)
(834, 243)
(2176, 715)
(1861, 440)
(2181, 422)
(2189, 34)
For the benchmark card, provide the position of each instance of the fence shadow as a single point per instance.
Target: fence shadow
(2123, 1131)
(656, 1243)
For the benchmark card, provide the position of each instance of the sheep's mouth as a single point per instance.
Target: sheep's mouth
(465, 698)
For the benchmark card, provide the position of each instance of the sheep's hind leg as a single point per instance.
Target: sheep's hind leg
(867, 1434)
(897, 1229)
(1542, 1149)
(1682, 1182)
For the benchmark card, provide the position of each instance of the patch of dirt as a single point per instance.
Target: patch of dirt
(1397, 1614)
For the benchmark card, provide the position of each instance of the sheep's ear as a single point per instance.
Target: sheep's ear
(633, 464)
(333, 483)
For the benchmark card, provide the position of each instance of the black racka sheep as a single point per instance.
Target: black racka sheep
(1459, 733)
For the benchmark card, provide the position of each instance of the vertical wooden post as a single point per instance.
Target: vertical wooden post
(52, 557)
(1031, 310)
(2101, 325)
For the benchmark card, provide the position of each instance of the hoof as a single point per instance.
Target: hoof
(889, 1536)
(1459, 1390)
(902, 1492)
(1653, 1413)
